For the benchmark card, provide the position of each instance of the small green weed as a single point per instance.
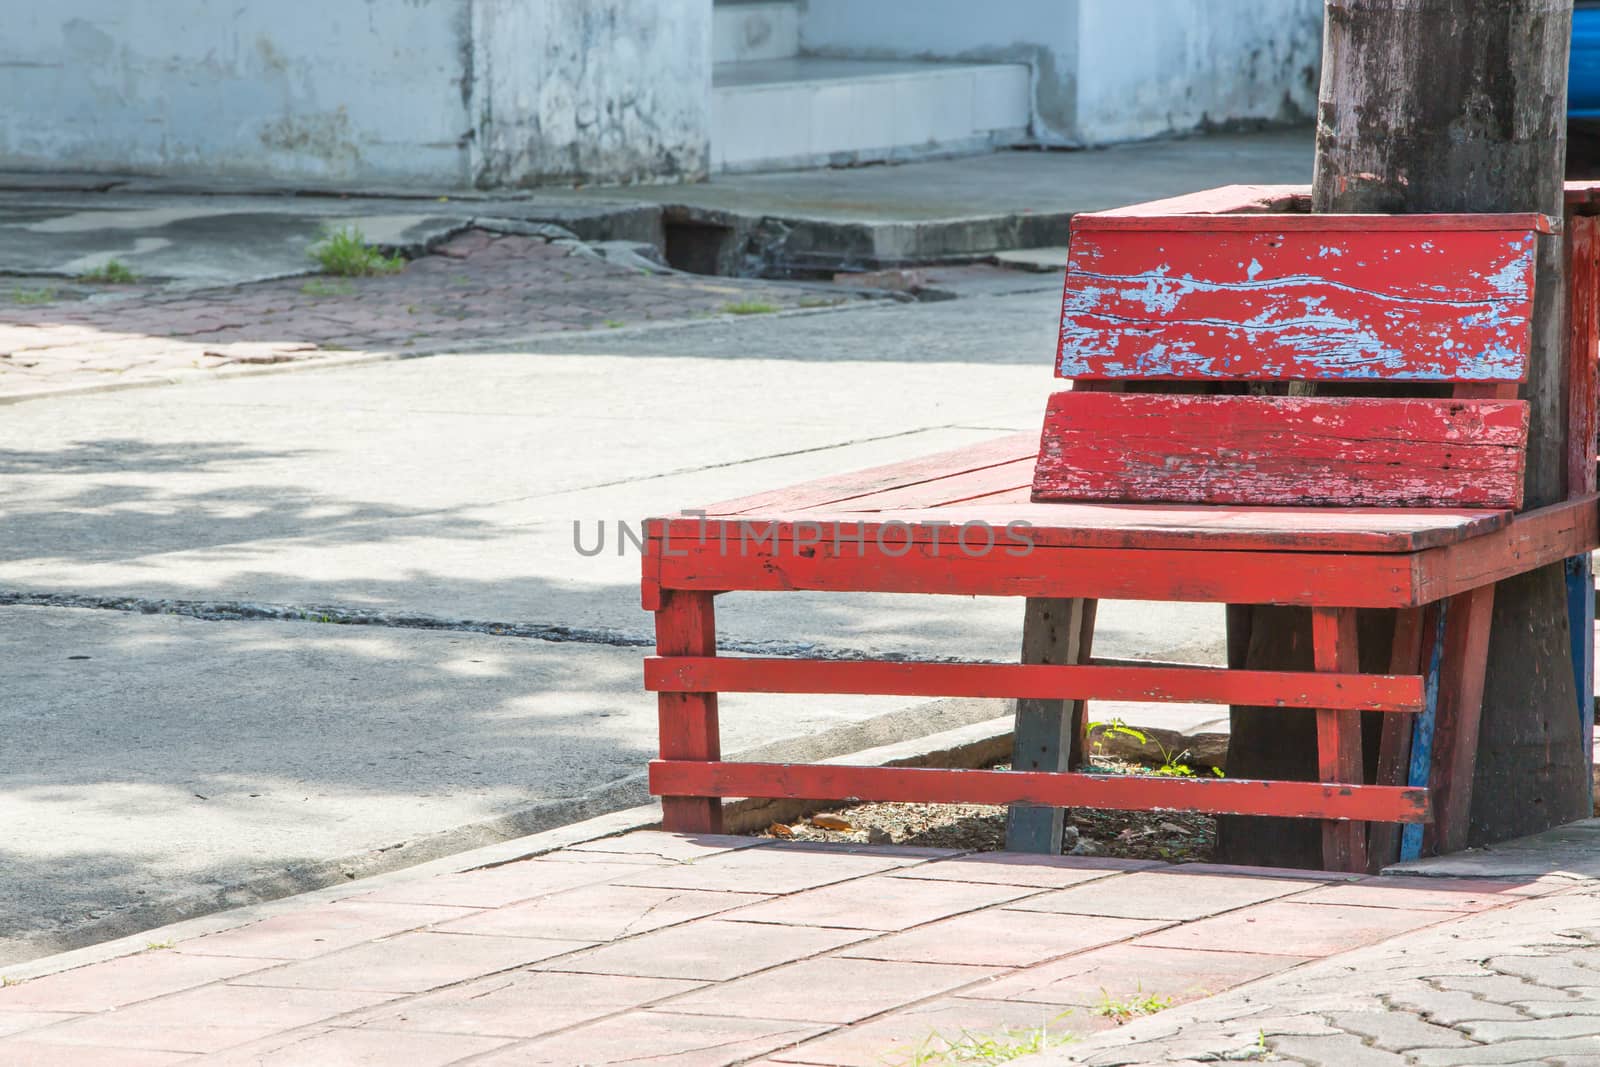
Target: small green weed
(1004, 1047)
(318, 287)
(344, 251)
(33, 296)
(749, 307)
(1120, 1011)
(111, 272)
(6, 981)
(615, 324)
(1173, 763)
(157, 946)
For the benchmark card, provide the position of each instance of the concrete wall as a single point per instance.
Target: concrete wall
(615, 90)
(1105, 70)
(320, 90)
(1148, 67)
(440, 93)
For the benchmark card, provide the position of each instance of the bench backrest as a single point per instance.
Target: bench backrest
(1247, 298)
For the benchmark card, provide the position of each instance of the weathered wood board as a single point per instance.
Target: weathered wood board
(1271, 302)
(1348, 452)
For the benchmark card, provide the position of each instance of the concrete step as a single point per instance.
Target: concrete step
(813, 111)
(747, 31)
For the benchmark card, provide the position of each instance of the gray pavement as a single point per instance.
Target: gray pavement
(437, 492)
(225, 742)
(1518, 985)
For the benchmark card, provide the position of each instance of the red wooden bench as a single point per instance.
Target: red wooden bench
(1143, 487)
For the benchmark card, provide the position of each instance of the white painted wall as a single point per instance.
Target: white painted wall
(347, 92)
(334, 90)
(591, 89)
(1104, 70)
(1148, 67)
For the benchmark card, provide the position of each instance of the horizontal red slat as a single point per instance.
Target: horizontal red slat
(1222, 796)
(1182, 213)
(1246, 298)
(1210, 685)
(1357, 581)
(1282, 450)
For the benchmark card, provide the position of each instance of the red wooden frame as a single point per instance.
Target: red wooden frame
(897, 522)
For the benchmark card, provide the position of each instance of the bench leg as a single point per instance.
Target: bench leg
(1049, 734)
(1333, 639)
(686, 626)
(1455, 732)
(1394, 744)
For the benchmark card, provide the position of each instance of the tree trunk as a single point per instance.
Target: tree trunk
(1446, 105)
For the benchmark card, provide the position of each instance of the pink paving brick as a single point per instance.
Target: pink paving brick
(122, 981)
(709, 949)
(660, 846)
(411, 963)
(522, 1004)
(600, 913)
(1290, 928)
(496, 886)
(357, 1048)
(25, 1053)
(880, 903)
(1440, 894)
(830, 989)
(658, 1038)
(1016, 868)
(1165, 893)
(999, 938)
(1123, 970)
(208, 1019)
(771, 869)
(929, 1030)
(303, 934)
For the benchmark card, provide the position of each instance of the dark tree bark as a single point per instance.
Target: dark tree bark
(1446, 105)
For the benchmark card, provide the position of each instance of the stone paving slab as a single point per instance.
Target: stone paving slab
(476, 287)
(707, 951)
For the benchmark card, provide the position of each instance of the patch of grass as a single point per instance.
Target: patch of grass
(318, 287)
(33, 296)
(1132, 1007)
(1003, 1047)
(111, 272)
(344, 251)
(749, 307)
(157, 946)
(7, 981)
(614, 324)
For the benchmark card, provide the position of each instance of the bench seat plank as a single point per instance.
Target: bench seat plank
(1130, 526)
(1346, 452)
(838, 488)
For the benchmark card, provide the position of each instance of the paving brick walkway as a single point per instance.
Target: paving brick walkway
(476, 288)
(713, 951)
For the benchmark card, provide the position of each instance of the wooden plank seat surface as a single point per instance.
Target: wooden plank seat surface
(1181, 466)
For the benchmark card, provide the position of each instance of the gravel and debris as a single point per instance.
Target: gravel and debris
(1175, 837)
